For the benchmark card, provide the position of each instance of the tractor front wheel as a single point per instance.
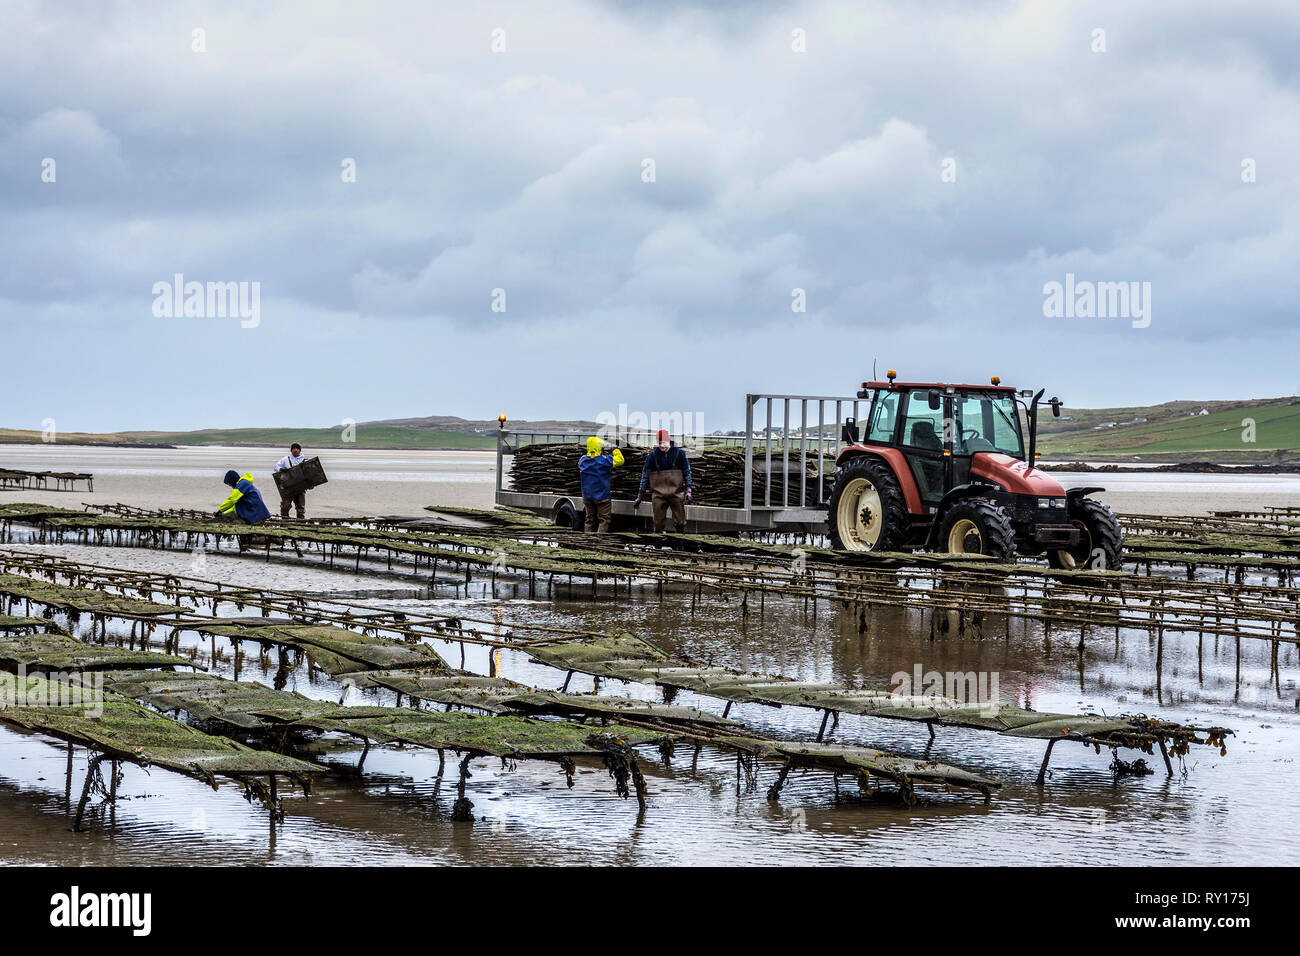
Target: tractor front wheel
(866, 511)
(1101, 542)
(978, 526)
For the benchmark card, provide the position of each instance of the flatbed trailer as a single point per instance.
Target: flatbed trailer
(777, 429)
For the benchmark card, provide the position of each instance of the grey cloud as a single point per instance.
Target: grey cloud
(774, 170)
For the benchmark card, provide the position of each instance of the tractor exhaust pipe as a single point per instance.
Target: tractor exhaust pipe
(1031, 413)
(1033, 428)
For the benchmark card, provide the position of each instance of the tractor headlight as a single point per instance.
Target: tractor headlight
(1053, 502)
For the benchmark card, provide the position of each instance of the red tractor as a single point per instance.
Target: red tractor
(944, 468)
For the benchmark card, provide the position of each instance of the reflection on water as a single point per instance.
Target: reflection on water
(1262, 486)
(1234, 809)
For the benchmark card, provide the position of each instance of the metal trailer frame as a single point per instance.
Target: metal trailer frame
(802, 516)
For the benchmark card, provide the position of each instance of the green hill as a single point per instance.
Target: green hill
(367, 436)
(434, 432)
(1176, 431)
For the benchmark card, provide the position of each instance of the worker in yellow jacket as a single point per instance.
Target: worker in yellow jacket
(596, 472)
(244, 500)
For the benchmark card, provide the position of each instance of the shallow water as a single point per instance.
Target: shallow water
(1259, 489)
(1234, 809)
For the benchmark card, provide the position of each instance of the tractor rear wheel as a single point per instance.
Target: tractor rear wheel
(866, 510)
(1101, 542)
(978, 526)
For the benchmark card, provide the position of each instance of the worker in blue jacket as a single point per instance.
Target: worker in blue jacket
(667, 471)
(596, 470)
(245, 500)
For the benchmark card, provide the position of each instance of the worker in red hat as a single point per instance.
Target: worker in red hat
(667, 472)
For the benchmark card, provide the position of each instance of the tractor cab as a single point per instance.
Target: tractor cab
(949, 467)
(940, 427)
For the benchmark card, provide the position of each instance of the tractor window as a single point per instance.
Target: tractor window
(923, 435)
(923, 427)
(1006, 431)
(989, 423)
(883, 416)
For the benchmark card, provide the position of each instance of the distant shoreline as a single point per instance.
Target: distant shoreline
(365, 446)
(79, 443)
(1096, 467)
(1178, 467)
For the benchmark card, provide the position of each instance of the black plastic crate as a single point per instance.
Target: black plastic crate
(302, 477)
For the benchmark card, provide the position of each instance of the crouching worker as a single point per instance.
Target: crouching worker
(667, 472)
(245, 500)
(596, 469)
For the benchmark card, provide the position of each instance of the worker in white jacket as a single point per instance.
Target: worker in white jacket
(295, 457)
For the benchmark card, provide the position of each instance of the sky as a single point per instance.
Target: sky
(554, 210)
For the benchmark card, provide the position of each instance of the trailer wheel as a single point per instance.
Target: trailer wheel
(567, 516)
(978, 526)
(866, 510)
(1101, 544)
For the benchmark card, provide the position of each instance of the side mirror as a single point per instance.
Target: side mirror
(934, 400)
(1056, 406)
(849, 433)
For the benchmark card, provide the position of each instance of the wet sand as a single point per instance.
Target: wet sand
(363, 482)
